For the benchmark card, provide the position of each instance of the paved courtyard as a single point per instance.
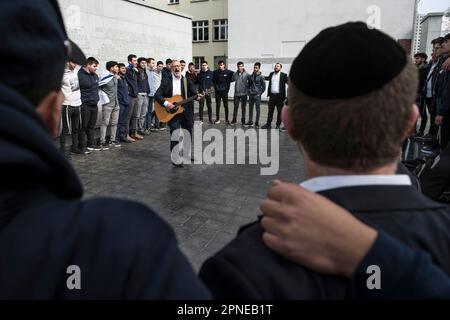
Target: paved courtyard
(205, 204)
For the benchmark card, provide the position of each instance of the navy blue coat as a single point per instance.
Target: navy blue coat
(88, 87)
(124, 249)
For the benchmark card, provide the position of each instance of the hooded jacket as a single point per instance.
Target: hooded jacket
(123, 249)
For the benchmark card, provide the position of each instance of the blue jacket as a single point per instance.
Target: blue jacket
(131, 78)
(88, 87)
(205, 80)
(222, 80)
(142, 82)
(122, 92)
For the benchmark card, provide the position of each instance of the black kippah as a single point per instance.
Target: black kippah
(347, 61)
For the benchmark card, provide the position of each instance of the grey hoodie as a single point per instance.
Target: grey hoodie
(241, 84)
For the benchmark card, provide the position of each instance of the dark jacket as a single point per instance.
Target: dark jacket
(257, 84)
(423, 75)
(166, 91)
(222, 80)
(88, 87)
(123, 249)
(443, 102)
(122, 92)
(131, 78)
(204, 80)
(192, 77)
(247, 269)
(406, 274)
(166, 73)
(283, 83)
(142, 81)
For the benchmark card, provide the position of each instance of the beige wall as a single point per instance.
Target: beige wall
(200, 10)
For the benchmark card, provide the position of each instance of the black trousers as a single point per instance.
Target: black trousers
(89, 114)
(221, 96)
(275, 101)
(70, 124)
(208, 105)
(435, 178)
(243, 102)
(430, 104)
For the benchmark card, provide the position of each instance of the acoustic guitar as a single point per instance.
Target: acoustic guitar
(166, 115)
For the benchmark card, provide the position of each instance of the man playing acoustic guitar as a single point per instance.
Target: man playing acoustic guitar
(172, 87)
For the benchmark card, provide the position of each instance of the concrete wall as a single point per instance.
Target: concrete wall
(201, 10)
(112, 29)
(271, 31)
(431, 29)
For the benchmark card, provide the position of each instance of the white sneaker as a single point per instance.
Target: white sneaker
(217, 122)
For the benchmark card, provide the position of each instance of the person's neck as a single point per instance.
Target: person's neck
(314, 170)
(174, 75)
(86, 69)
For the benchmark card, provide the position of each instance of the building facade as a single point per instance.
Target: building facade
(431, 29)
(276, 31)
(112, 29)
(209, 27)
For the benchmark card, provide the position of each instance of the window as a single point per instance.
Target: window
(174, 1)
(200, 31)
(198, 62)
(221, 30)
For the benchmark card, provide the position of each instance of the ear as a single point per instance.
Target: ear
(412, 120)
(287, 120)
(50, 111)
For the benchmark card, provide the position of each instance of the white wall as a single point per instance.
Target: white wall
(112, 29)
(271, 31)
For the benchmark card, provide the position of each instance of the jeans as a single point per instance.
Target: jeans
(132, 116)
(208, 105)
(141, 112)
(275, 100)
(243, 101)
(224, 97)
(110, 116)
(430, 104)
(254, 101)
(70, 124)
(149, 116)
(122, 131)
(89, 114)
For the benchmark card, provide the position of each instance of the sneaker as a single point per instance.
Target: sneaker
(266, 126)
(86, 151)
(104, 146)
(233, 123)
(283, 129)
(147, 132)
(256, 125)
(211, 122)
(94, 148)
(76, 151)
(177, 165)
(115, 144)
(217, 122)
(228, 123)
(249, 124)
(162, 128)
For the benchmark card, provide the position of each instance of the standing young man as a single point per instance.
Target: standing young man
(151, 66)
(205, 79)
(277, 95)
(133, 92)
(241, 83)
(124, 103)
(110, 115)
(142, 106)
(71, 115)
(443, 96)
(88, 81)
(222, 80)
(257, 86)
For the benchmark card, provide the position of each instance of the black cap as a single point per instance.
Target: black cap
(347, 61)
(35, 46)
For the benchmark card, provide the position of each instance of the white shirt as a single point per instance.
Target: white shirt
(430, 82)
(176, 91)
(335, 182)
(71, 88)
(276, 83)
